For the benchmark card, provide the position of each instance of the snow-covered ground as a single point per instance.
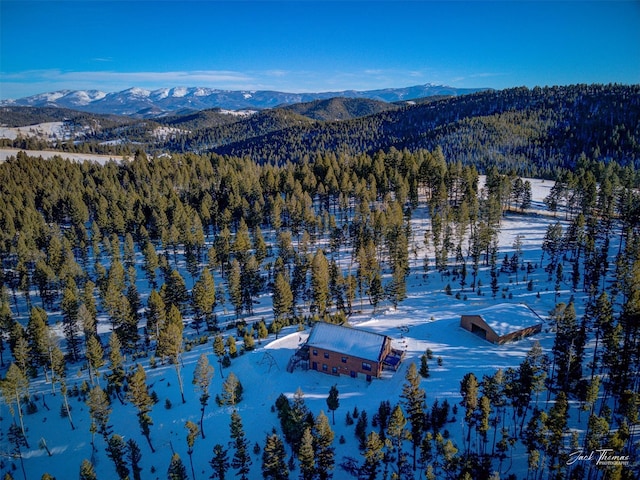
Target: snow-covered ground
(163, 133)
(47, 131)
(239, 113)
(427, 319)
(46, 154)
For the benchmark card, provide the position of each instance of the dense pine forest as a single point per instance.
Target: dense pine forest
(322, 222)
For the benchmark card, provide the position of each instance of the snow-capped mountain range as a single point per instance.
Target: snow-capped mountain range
(142, 102)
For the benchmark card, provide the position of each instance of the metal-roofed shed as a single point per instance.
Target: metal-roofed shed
(503, 323)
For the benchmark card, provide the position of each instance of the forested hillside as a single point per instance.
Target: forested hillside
(341, 108)
(533, 132)
(529, 130)
(112, 271)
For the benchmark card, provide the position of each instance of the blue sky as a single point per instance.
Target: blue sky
(302, 46)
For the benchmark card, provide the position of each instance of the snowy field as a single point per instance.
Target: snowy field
(427, 319)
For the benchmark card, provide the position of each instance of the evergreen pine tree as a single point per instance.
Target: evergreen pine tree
(323, 447)
(99, 411)
(413, 398)
(156, 315)
(134, 456)
(483, 420)
(138, 394)
(361, 428)
(306, 456)
(373, 455)
(150, 264)
(294, 418)
(556, 425)
(282, 298)
(242, 243)
(202, 376)
(58, 368)
(220, 351)
(469, 393)
(175, 291)
(17, 440)
(170, 343)
(333, 402)
(262, 332)
(69, 306)
(397, 434)
(568, 368)
(95, 359)
(274, 463)
(219, 462)
(88, 310)
(192, 434)
(14, 387)
(22, 353)
(376, 291)
(241, 460)
(37, 335)
(424, 366)
(231, 390)
(128, 329)
(116, 363)
(234, 287)
(116, 451)
(87, 472)
(222, 247)
(250, 283)
(177, 470)
(320, 283)
(231, 346)
(203, 299)
(336, 285)
(248, 342)
(6, 321)
(259, 244)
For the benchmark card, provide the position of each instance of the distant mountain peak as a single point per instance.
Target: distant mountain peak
(141, 102)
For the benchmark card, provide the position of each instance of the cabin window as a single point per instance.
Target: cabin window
(366, 366)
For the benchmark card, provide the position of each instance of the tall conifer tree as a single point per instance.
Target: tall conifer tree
(274, 462)
(323, 447)
(241, 460)
(138, 394)
(202, 376)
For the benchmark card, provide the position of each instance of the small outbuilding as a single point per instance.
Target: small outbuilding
(503, 323)
(344, 350)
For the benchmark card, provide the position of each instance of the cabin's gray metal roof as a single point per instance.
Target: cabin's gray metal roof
(347, 340)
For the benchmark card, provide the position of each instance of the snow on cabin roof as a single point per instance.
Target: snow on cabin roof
(506, 318)
(353, 341)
